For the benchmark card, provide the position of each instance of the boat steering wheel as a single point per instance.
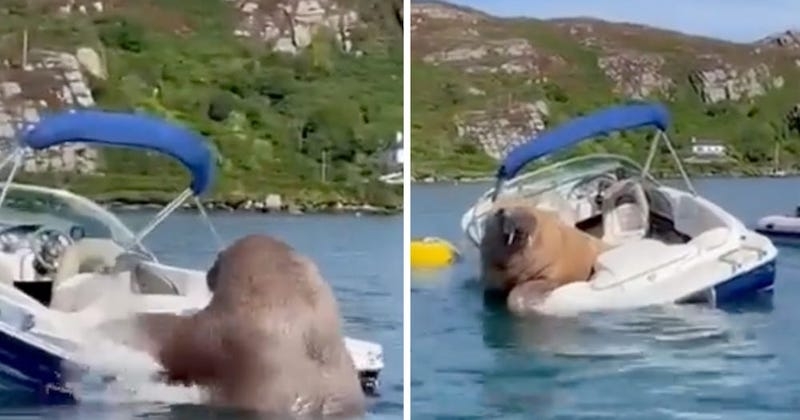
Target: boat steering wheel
(592, 186)
(48, 245)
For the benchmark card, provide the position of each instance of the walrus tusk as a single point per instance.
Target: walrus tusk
(509, 226)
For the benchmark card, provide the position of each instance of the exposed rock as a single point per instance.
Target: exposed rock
(510, 56)
(292, 24)
(288, 25)
(421, 12)
(51, 81)
(502, 128)
(444, 34)
(91, 62)
(584, 33)
(543, 108)
(81, 6)
(788, 39)
(475, 91)
(636, 75)
(457, 54)
(273, 202)
(727, 83)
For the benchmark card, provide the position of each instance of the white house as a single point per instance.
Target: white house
(393, 157)
(399, 150)
(393, 161)
(705, 148)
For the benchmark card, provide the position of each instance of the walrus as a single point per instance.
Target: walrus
(528, 252)
(270, 340)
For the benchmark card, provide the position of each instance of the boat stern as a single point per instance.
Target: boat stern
(368, 359)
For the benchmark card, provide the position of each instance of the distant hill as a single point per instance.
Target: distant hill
(481, 84)
(275, 85)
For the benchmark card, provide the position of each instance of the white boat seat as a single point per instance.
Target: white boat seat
(87, 255)
(711, 239)
(625, 213)
(79, 291)
(9, 268)
(79, 279)
(634, 259)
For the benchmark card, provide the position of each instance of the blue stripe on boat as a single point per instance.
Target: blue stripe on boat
(746, 284)
(778, 233)
(42, 370)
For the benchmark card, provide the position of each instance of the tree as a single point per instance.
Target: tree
(119, 32)
(220, 107)
(755, 142)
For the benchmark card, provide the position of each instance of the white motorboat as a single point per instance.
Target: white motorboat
(668, 245)
(66, 263)
(780, 226)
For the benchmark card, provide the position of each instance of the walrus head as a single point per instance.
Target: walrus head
(506, 235)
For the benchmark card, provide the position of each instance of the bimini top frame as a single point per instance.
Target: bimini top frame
(128, 130)
(599, 123)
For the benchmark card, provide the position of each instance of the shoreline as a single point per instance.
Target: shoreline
(491, 178)
(253, 207)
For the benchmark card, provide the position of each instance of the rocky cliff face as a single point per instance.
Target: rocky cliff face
(50, 80)
(291, 25)
(726, 83)
(526, 58)
(465, 39)
(504, 127)
(788, 39)
(287, 25)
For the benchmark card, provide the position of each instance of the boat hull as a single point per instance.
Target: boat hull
(722, 262)
(33, 371)
(743, 286)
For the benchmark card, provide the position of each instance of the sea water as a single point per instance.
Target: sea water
(473, 360)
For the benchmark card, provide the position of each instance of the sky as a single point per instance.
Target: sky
(733, 20)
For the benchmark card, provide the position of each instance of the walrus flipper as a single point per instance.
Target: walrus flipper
(526, 296)
(187, 350)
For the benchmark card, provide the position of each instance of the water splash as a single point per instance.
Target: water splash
(119, 374)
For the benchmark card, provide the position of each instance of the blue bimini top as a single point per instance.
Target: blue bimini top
(603, 122)
(136, 131)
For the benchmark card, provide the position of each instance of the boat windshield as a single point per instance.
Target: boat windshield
(569, 171)
(60, 209)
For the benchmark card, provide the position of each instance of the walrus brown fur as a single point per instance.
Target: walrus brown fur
(270, 339)
(527, 253)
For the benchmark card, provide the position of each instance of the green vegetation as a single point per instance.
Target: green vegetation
(441, 94)
(275, 119)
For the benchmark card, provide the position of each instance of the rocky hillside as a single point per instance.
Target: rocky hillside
(482, 84)
(299, 97)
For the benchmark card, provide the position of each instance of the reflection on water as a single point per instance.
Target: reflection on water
(471, 358)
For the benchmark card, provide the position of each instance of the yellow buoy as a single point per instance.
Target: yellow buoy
(430, 252)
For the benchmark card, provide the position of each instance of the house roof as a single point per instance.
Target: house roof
(707, 142)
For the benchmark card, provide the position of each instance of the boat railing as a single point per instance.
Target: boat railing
(16, 157)
(659, 137)
(128, 130)
(735, 264)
